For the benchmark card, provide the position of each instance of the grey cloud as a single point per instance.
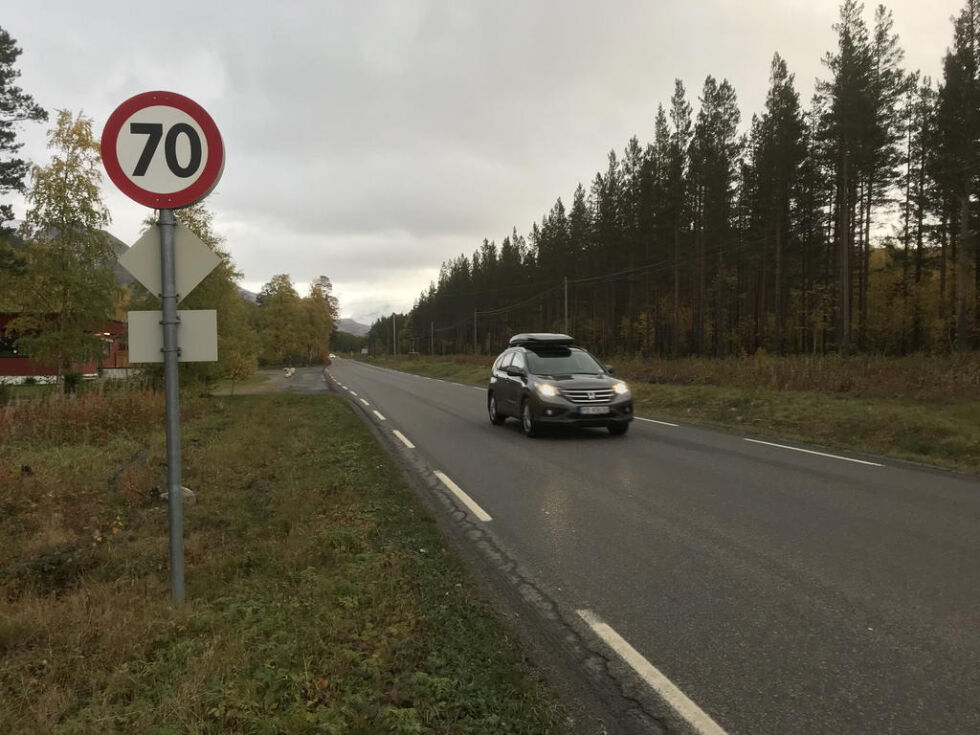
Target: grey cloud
(371, 139)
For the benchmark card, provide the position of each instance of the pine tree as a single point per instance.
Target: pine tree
(714, 156)
(846, 127)
(16, 106)
(677, 209)
(888, 82)
(958, 119)
(779, 157)
(919, 200)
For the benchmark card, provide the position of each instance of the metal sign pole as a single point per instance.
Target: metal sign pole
(167, 224)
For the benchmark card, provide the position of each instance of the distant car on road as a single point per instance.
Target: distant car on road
(333, 356)
(544, 379)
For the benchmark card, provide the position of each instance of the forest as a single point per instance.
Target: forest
(845, 226)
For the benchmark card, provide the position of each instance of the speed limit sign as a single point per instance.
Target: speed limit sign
(162, 150)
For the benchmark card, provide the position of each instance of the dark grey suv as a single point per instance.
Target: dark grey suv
(544, 379)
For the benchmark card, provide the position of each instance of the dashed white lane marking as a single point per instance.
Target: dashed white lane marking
(353, 393)
(810, 451)
(654, 421)
(364, 402)
(404, 439)
(467, 500)
(380, 417)
(697, 718)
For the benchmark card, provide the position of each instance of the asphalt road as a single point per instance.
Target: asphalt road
(781, 591)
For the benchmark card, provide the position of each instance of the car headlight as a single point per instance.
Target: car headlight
(548, 390)
(621, 388)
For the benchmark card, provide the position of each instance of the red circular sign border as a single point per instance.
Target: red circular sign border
(185, 197)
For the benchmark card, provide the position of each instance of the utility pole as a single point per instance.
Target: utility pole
(394, 334)
(566, 304)
(432, 338)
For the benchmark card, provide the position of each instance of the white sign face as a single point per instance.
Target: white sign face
(197, 335)
(193, 260)
(161, 149)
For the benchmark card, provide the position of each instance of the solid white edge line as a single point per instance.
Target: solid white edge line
(654, 421)
(404, 439)
(697, 718)
(467, 500)
(380, 417)
(810, 451)
(364, 402)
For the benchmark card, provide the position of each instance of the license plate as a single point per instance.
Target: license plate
(593, 410)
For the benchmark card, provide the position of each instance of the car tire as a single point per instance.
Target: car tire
(528, 424)
(618, 429)
(496, 418)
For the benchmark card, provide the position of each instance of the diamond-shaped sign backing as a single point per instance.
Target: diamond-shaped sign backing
(193, 260)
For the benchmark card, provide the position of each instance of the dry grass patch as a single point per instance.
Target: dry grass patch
(320, 596)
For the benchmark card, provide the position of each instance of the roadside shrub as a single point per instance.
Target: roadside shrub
(70, 381)
(16, 634)
(51, 571)
(92, 417)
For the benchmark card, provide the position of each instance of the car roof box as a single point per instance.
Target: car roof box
(541, 339)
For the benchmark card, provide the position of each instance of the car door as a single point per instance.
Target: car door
(515, 383)
(502, 385)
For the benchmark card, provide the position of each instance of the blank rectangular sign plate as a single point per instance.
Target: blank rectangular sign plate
(197, 335)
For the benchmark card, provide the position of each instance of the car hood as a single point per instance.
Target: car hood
(583, 381)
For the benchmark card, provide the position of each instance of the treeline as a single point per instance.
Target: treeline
(846, 225)
(279, 328)
(57, 274)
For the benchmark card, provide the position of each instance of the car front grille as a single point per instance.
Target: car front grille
(588, 396)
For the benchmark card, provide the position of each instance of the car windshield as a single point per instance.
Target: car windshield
(562, 361)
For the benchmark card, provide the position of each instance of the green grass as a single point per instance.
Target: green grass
(321, 598)
(226, 386)
(36, 390)
(943, 433)
(925, 409)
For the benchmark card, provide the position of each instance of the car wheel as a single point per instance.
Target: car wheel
(496, 418)
(618, 429)
(528, 423)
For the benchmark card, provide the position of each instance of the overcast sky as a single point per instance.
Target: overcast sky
(371, 141)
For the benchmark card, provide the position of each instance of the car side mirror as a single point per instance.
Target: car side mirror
(515, 371)
(609, 369)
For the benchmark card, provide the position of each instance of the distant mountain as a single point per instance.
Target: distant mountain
(248, 295)
(352, 327)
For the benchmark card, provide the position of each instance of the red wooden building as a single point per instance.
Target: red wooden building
(16, 368)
